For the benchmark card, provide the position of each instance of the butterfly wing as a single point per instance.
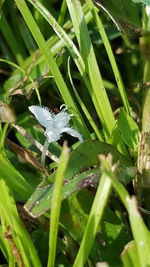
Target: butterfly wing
(43, 115)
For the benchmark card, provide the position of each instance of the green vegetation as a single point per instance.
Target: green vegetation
(88, 203)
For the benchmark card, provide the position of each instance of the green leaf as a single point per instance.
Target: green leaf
(21, 239)
(1, 5)
(14, 179)
(129, 130)
(129, 255)
(145, 2)
(142, 236)
(112, 234)
(85, 156)
(111, 31)
(123, 13)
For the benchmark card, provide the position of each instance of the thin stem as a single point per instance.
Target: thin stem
(146, 99)
(45, 147)
(3, 135)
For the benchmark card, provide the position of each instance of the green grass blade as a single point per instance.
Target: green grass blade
(62, 13)
(102, 104)
(94, 220)
(3, 136)
(142, 236)
(27, 38)
(56, 204)
(54, 43)
(53, 67)
(5, 50)
(15, 180)
(110, 56)
(85, 110)
(79, 62)
(22, 241)
(13, 45)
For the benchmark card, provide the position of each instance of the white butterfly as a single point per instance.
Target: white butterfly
(55, 124)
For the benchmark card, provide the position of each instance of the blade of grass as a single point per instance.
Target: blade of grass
(142, 236)
(54, 43)
(73, 51)
(3, 243)
(14, 19)
(7, 171)
(85, 110)
(64, 91)
(62, 13)
(3, 135)
(111, 57)
(5, 50)
(8, 35)
(27, 38)
(22, 242)
(94, 220)
(102, 103)
(66, 39)
(102, 106)
(56, 204)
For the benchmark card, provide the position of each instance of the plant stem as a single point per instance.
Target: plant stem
(146, 99)
(45, 147)
(145, 172)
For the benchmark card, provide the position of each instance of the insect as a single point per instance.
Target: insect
(55, 125)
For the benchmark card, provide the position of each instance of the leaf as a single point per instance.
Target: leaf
(14, 179)
(112, 234)
(145, 2)
(129, 130)
(142, 236)
(1, 5)
(129, 256)
(26, 155)
(81, 159)
(111, 31)
(123, 13)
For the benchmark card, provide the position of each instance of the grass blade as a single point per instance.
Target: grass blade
(110, 56)
(142, 236)
(21, 242)
(56, 203)
(53, 67)
(8, 34)
(98, 92)
(94, 220)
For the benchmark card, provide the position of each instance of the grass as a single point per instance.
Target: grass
(85, 207)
